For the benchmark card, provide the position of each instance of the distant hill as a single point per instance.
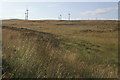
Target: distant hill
(13, 19)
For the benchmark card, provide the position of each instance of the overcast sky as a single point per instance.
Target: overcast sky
(59, 0)
(52, 10)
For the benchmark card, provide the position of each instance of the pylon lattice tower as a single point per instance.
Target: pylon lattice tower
(69, 16)
(60, 17)
(26, 14)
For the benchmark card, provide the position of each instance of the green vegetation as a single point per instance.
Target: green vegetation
(60, 49)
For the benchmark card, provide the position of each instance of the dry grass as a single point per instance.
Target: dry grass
(69, 49)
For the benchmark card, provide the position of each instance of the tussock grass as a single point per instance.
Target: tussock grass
(63, 52)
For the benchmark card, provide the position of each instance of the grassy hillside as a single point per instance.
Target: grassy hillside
(60, 49)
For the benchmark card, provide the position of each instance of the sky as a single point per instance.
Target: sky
(52, 10)
(59, 0)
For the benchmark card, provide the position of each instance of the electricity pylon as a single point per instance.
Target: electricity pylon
(69, 16)
(26, 14)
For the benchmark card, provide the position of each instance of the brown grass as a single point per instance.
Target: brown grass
(44, 49)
